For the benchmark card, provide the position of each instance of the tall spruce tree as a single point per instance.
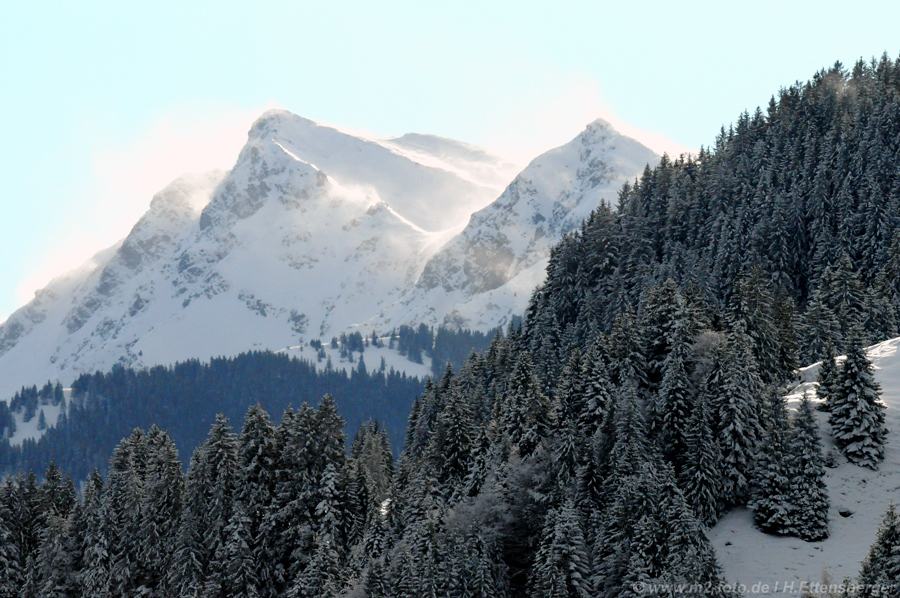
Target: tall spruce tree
(881, 566)
(773, 509)
(257, 459)
(827, 378)
(808, 493)
(561, 564)
(11, 574)
(737, 387)
(161, 507)
(700, 477)
(857, 414)
(675, 401)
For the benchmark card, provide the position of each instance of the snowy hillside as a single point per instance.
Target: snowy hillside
(310, 232)
(859, 498)
(487, 272)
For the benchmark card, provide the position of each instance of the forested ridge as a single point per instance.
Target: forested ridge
(185, 398)
(585, 453)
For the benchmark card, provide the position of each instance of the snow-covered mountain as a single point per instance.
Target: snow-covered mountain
(486, 274)
(311, 231)
(859, 497)
(316, 231)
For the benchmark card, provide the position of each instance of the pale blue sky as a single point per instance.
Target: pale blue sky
(102, 103)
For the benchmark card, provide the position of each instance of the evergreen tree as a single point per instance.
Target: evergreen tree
(121, 513)
(773, 509)
(161, 507)
(819, 329)
(11, 573)
(57, 561)
(662, 308)
(452, 442)
(208, 510)
(857, 414)
(736, 386)
(881, 566)
(784, 313)
(97, 563)
(753, 306)
(598, 392)
(561, 566)
(808, 494)
(675, 402)
(241, 567)
(288, 530)
(525, 413)
(482, 570)
(568, 413)
(685, 554)
(700, 477)
(257, 458)
(827, 378)
(846, 295)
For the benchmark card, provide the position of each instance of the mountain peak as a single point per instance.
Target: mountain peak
(272, 118)
(486, 273)
(600, 124)
(312, 231)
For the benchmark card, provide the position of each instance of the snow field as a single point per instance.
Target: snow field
(859, 498)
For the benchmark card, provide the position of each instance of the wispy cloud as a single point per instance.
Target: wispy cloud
(128, 174)
(528, 133)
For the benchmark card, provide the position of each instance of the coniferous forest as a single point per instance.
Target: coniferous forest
(184, 399)
(583, 454)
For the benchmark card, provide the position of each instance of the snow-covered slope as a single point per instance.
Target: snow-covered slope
(487, 272)
(316, 231)
(310, 232)
(859, 498)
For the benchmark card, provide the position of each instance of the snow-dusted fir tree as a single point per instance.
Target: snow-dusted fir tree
(120, 508)
(819, 328)
(209, 502)
(827, 377)
(598, 391)
(287, 528)
(162, 503)
(700, 477)
(752, 304)
(675, 401)
(773, 511)
(737, 387)
(662, 311)
(882, 564)
(452, 442)
(686, 555)
(561, 566)
(527, 416)
(484, 575)
(94, 577)
(257, 458)
(845, 292)
(11, 575)
(568, 411)
(808, 494)
(857, 414)
(240, 566)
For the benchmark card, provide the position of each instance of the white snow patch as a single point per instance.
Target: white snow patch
(29, 430)
(371, 356)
